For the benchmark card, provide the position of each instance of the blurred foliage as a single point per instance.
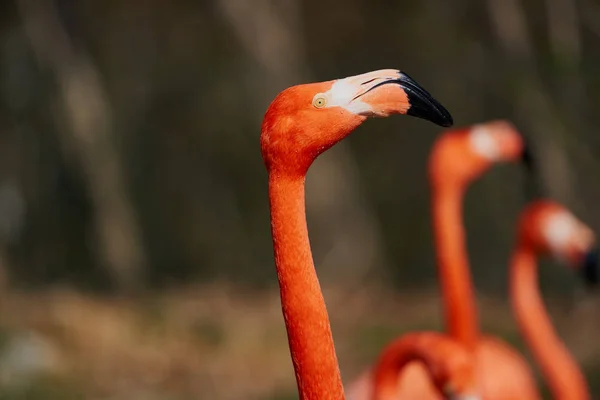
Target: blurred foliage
(185, 99)
(47, 388)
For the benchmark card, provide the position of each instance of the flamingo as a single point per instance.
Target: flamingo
(546, 227)
(302, 122)
(449, 366)
(457, 158)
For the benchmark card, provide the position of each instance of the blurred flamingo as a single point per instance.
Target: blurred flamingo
(457, 158)
(302, 122)
(449, 367)
(546, 227)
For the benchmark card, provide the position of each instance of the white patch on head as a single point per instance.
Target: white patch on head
(557, 231)
(483, 143)
(341, 94)
(467, 397)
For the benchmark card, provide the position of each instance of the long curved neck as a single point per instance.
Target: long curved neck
(453, 265)
(306, 319)
(399, 353)
(558, 367)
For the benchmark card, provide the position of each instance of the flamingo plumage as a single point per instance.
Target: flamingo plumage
(302, 122)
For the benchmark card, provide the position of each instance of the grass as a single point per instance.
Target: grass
(222, 343)
(289, 395)
(209, 332)
(42, 388)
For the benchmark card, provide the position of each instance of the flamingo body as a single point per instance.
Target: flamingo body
(500, 370)
(431, 366)
(504, 374)
(413, 383)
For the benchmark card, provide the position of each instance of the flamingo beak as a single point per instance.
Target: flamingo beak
(414, 99)
(533, 185)
(422, 104)
(527, 157)
(590, 270)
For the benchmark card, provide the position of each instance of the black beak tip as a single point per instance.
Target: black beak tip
(590, 269)
(527, 157)
(440, 116)
(447, 121)
(423, 105)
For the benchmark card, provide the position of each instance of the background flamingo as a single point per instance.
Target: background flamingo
(449, 366)
(548, 228)
(301, 123)
(457, 158)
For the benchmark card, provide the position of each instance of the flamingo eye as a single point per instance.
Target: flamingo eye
(319, 101)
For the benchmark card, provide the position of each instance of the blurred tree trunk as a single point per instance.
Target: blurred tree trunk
(590, 16)
(565, 42)
(533, 104)
(270, 31)
(87, 140)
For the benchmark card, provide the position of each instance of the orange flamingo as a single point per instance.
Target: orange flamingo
(450, 367)
(302, 122)
(546, 227)
(457, 158)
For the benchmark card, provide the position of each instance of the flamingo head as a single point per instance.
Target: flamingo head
(460, 156)
(456, 377)
(305, 120)
(550, 228)
(459, 383)
(452, 370)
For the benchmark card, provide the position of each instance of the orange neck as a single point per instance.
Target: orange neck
(558, 367)
(453, 265)
(306, 320)
(399, 353)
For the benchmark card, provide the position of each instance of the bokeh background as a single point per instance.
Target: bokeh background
(135, 251)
